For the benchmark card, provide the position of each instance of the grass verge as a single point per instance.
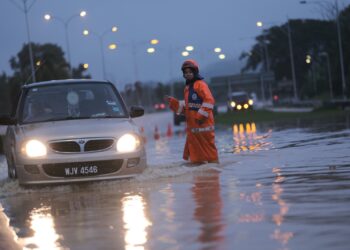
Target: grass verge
(269, 116)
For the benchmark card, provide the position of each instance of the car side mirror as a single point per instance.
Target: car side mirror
(7, 120)
(136, 111)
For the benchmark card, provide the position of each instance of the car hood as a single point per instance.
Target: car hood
(78, 129)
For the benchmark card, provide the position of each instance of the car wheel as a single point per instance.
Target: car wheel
(11, 168)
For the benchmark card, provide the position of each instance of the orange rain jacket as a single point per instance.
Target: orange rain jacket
(198, 109)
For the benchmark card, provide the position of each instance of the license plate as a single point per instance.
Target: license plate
(81, 170)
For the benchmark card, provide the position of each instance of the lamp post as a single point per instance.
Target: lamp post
(266, 53)
(66, 23)
(25, 10)
(100, 39)
(295, 91)
(291, 55)
(340, 46)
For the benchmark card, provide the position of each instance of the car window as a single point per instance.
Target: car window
(71, 101)
(239, 98)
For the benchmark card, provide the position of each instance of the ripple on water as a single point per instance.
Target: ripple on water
(179, 170)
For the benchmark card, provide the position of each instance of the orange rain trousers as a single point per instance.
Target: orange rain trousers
(200, 141)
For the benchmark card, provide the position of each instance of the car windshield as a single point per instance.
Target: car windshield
(71, 101)
(239, 97)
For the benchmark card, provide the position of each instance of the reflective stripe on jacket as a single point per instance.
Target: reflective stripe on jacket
(200, 141)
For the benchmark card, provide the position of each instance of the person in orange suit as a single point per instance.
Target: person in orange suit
(198, 107)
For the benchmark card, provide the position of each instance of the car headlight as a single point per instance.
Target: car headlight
(250, 102)
(35, 148)
(233, 104)
(128, 143)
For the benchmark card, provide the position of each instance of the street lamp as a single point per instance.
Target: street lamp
(217, 50)
(339, 44)
(264, 54)
(222, 56)
(25, 10)
(267, 65)
(65, 23)
(291, 55)
(154, 41)
(185, 53)
(100, 38)
(151, 50)
(292, 61)
(112, 46)
(189, 48)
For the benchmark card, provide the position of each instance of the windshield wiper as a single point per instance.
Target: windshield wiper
(75, 117)
(66, 118)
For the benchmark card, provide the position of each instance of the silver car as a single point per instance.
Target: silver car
(72, 131)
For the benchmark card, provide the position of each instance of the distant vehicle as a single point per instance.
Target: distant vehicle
(159, 106)
(238, 101)
(72, 131)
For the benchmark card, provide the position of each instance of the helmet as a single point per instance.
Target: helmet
(192, 64)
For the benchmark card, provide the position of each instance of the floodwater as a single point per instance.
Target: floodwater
(278, 186)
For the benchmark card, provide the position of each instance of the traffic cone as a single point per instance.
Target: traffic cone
(156, 133)
(169, 132)
(142, 131)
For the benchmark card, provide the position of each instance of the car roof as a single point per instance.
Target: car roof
(238, 93)
(66, 81)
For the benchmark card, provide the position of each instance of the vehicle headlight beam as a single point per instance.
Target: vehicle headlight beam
(35, 148)
(128, 143)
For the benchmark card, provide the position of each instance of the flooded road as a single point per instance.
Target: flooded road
(278, 186)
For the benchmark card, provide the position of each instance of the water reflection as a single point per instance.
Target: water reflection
(282, 237)
(135, 222)
(256, 199)
(168, 210)
(43, 226)
(245, 138)
(208, 211)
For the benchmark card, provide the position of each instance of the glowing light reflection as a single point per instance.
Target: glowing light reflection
(135, 222)
(251, 218)
(284, 208)
(246, 139)
(256, 199)
(45, 236)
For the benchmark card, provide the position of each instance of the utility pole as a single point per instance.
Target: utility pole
(25, 10)
(340, 51)
(295, 91)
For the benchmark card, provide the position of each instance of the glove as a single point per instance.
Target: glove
(173, 103)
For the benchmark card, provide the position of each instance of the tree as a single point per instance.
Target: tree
(160, 91)
(139, 92)
(50, 64)
(309, 37)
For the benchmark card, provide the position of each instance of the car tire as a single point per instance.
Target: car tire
(11, 168)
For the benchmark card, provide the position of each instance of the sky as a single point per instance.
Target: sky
(204, 24)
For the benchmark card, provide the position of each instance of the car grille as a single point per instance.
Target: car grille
(94, 145)
(65, 147)
(77, 146)
(104, 167)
